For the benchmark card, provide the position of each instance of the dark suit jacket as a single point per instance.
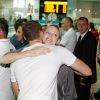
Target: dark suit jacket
(86, 51)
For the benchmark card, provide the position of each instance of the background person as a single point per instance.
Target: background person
(69, 39)
(93, 30)
(5, 46)
(85, 50)
(18, 39)
(66, 75)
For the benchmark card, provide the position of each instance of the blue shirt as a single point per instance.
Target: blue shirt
(17, 44)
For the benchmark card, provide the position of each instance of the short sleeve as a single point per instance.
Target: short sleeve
(66, 56)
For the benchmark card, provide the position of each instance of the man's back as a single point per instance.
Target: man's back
(5, 84)
(37, 76)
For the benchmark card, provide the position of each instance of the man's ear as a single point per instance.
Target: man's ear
(0, 31)
(41, 34)
(1, 34)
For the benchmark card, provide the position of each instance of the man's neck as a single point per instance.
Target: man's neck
(67, 29)
(3, 38)
(35, 41)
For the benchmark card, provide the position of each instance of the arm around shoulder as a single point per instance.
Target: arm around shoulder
(81, 67)
(15, 88)
(11, 57)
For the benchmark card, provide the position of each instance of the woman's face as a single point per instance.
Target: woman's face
(51, 35)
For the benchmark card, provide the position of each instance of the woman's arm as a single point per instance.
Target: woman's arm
(15, 88)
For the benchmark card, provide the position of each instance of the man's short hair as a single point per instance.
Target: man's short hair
(69, 19)
(4, 26)
(83, 18)
(31, 30)
(19, 22)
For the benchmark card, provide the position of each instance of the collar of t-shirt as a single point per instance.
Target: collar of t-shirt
(32, 46)
(4, 40)
(70, 29)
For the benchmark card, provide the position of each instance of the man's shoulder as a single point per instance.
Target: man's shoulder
(90, 35)
(52, 46)
(57, 48)
(70, 32)
(13, 37)
(11, 47)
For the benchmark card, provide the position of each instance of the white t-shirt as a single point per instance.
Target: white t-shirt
(5, 82)
(69, 39)
(37, 76)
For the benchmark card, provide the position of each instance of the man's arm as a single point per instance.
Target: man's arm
(15, 88)
(81, 67)
(11, 57)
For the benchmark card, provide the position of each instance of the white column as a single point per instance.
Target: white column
(36, 9)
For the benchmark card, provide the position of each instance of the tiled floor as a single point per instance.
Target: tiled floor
(97, 84)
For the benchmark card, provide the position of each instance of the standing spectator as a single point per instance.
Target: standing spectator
(66, 87)
(93, 30)
(5, 47)
(69, 39)
(18, 39)
(85, 49)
